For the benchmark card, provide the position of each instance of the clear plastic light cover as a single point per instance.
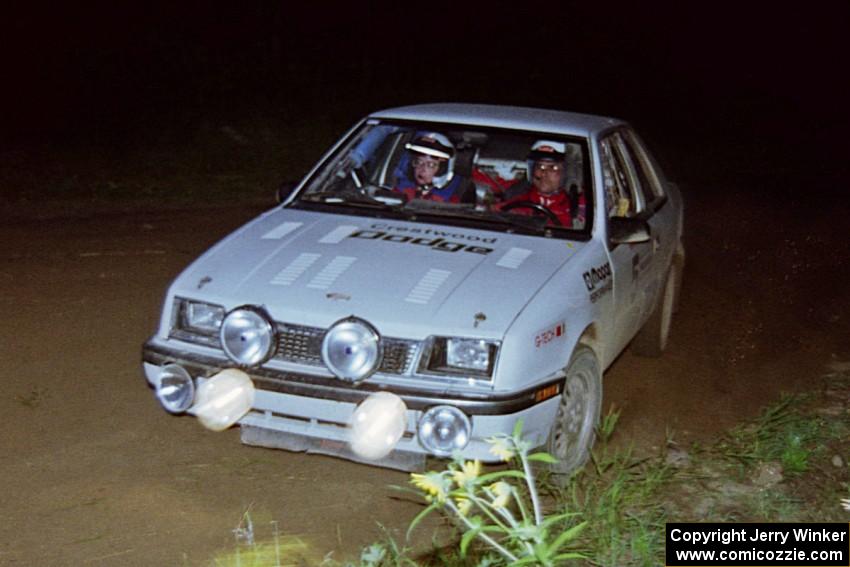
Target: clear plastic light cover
(175, 389)
(443, 430)
(351, 349)
(224, 399)
(463, 357)
(248, 336)
(473, 354)
(202, 317)
(377, 425)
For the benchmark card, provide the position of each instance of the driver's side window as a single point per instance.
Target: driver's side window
(387, 159)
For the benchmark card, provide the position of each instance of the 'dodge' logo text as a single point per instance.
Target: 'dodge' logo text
(437, 243)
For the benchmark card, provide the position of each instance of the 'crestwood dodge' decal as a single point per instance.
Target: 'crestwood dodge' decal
(435, 243)
(433, 232)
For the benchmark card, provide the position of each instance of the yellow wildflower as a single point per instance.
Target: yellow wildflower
(502, 448)
(464, 505)
(502, 493)
(468, 472)
(431, 483)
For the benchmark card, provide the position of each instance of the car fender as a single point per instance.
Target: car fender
(540, 341)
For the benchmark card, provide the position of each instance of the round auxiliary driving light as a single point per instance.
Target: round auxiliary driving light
(352, 349)
(443, 430)
(175, 389)
(224, 399)
(247, 336)
(377, 425)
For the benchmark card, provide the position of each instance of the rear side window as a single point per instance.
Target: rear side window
(653, 189)
(632, 183)
(620, 195)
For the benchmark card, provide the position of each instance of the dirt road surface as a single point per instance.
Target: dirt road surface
(96, 473)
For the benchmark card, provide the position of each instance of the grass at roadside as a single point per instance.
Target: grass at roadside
(790, 464)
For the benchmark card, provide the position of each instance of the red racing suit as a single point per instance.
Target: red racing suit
(433, 195)
(498, 184)
(558, 203)
(448, 193)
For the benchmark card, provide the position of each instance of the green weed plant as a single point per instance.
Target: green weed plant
(501, 511)
(783, 433)
(613, 511)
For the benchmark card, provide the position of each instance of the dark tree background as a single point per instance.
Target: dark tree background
(757, 89)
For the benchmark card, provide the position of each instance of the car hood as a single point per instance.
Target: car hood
(409, 279)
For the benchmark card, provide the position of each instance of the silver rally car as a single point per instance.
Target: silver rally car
(485, 264)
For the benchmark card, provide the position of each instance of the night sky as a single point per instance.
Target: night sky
(714, 80)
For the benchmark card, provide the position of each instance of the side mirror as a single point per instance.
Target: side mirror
(285, 190)
(623, 230)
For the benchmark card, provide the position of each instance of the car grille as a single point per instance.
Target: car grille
(299, 344)
(303, 345)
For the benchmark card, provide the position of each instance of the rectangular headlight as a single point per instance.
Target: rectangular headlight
(200, 317)
(460, 356)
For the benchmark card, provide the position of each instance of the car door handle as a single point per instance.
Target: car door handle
(656, 244)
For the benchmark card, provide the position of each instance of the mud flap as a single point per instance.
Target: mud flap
(272, 439)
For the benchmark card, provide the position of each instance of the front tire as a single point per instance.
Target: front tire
(574, 429)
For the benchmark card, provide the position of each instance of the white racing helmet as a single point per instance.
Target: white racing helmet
(435, 145)
(545, 150)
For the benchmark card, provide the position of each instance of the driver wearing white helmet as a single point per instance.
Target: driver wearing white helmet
(546, 171)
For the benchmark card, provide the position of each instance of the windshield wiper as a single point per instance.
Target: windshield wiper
(443, 210)
(350, 199)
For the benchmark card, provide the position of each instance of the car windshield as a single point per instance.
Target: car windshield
(533, 183)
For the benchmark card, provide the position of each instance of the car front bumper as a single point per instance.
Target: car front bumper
(308, 413)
